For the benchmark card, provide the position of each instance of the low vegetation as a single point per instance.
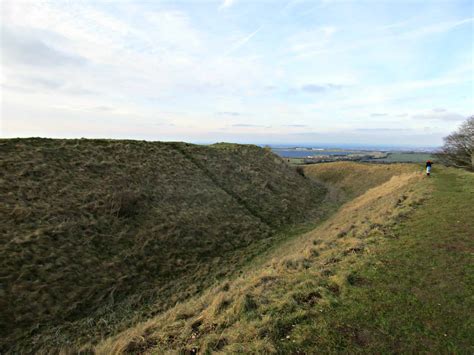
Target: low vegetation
(406, 157)
(230, 264)
(98, 234)
(385, 274)
(278, 307)
(353, 179)
(413, 292)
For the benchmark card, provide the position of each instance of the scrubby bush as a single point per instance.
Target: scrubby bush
(300, 170)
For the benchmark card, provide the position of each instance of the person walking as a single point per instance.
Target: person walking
(428, 167)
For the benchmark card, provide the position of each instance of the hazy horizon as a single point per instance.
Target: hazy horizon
(387, 74)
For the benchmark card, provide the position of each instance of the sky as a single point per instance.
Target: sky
(392, 73)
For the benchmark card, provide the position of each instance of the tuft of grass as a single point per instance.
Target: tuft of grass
(300, 170)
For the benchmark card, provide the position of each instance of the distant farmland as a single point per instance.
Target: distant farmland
(406, 157)
(310, 155)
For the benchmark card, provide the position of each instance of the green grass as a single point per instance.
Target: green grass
(295, 161)
(414, 293)
(400, 157)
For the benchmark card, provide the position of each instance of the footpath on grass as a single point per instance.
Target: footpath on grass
(416, 291)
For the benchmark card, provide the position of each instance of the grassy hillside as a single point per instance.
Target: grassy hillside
(414, 293)
(391, 271)
(96, 235)
(353, 179)
(136, 247)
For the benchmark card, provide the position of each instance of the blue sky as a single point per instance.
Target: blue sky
(292, 72)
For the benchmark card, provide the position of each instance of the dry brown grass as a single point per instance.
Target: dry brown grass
(263, 310)
(96, 235)
(355, 178)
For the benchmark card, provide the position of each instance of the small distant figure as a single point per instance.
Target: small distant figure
(428, 167)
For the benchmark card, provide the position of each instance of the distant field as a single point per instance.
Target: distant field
(405, 157)
(295, 161)
(295, 153)
(392, 157)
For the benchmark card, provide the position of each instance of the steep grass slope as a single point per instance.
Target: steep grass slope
(97, 234)
(414, 293)
(390, 272)
(258, 311)
(352, 179)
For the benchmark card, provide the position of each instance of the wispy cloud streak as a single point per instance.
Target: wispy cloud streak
(240, 43)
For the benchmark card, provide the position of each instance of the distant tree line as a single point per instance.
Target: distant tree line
(458, 148)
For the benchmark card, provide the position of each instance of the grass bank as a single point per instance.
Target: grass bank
(351, 179)
(97, 235)
(414, 293)
(391, 271)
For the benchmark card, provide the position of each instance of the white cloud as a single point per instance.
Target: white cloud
(436, 28)
(226, 4)
(141, 64)
(24, 47)
(313, 40)
(437, 115)
(306, 47)
(328, 30)
(242, 41)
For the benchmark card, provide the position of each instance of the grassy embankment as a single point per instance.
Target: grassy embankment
(97, 235)
(372, 277)
(391, 271)
(231, 313)
(351, 179)
(415, 292)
